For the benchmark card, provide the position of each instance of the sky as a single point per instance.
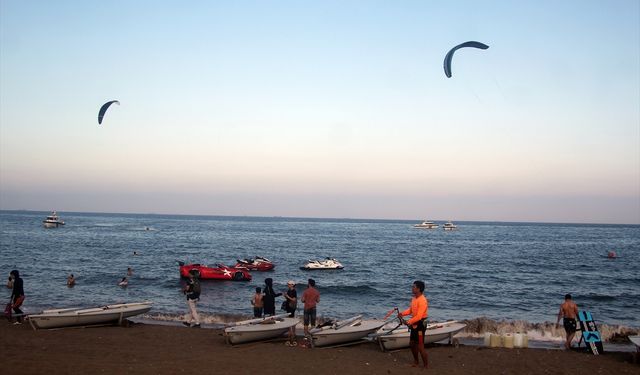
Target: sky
(323, 109)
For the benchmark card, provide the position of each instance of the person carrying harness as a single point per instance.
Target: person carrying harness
(417, 324)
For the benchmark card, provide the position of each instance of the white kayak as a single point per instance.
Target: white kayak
(392, 336)
(259, 329)
(59, 318)
(346, 331)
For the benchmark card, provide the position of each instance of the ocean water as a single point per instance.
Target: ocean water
(488, 273)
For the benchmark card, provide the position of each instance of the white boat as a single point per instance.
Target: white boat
(326, 264)
(392, 336)
(449, 226)
(52, 221)
(91, 316)
(426, 225)
(259, 329)
(346, 331)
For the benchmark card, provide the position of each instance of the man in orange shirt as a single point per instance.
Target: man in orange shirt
(569, 312)
(417, 324)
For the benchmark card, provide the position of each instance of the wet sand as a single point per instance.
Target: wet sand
(156, 349)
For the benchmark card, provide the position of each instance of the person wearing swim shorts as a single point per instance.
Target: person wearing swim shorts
(417, 324)
(568, 313)
(310, 298)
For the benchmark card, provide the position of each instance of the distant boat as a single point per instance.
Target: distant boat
(449, 226)
(426, 225)
(52, 221)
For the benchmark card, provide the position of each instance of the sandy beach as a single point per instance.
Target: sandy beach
(156, 349)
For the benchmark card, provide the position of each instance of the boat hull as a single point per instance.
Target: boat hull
(84, 317)
(259, 332)
(216, 273)
(48, 224)
(346, 334)
(399, 340)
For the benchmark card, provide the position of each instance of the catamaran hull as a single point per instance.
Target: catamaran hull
(258, 332)
(84, 317)
(347, 334)
(400, 340)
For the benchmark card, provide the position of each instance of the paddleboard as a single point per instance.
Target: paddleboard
(590, 333)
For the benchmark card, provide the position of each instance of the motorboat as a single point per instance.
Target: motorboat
(345, 331)
(255, 264)
(53, 221)
(59, 318)
(396, 336)
(217, 272)
(426, 225)
(259, 329)
(326, 264)
(449, 226)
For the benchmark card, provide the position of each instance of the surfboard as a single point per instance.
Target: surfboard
(590, 333)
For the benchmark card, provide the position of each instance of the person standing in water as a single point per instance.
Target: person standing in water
(71, 281)
(419, 311)
(568, 313)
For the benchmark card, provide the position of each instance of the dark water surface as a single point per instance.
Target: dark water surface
(513, 271)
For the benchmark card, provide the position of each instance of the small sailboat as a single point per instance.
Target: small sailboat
(259, 329)
(88, 316)
(345, 331)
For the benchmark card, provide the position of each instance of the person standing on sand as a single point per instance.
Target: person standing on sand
(192, 291)
(17, 295)
(257, 303)
(310, 298)
(269, 299)
(568, 312)
(419, 311)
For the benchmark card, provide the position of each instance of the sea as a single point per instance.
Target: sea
(496, 276)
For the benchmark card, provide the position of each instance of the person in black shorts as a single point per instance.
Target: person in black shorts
(568, 312)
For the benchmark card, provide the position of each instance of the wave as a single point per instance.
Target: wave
(546, 331)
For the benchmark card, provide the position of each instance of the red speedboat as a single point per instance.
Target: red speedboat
(255, 264)
(217, 272)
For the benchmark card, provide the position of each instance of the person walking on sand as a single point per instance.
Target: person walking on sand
(419, 311)
(310, 298)
(71, 281)
(568, 313)
(192, 291)
(269, 298)
(257, 303)
(17, 295)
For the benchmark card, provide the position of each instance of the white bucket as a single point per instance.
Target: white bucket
(495, 341)
(507, 341)
(518, 340)
(487, 339)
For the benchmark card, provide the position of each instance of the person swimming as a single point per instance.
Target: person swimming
(124, 282)
(611, 254)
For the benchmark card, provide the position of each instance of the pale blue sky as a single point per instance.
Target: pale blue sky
(323, 109)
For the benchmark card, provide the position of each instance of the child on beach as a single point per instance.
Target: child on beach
(17, 295)
(257, 303)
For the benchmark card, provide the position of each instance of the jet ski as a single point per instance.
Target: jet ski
(326, 264)
(255, 264)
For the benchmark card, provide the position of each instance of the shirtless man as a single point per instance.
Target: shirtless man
(568, 311)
